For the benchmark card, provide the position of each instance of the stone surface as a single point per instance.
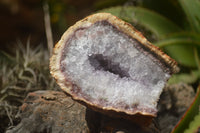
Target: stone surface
(53, 112)
(174, 101)
(50, 112)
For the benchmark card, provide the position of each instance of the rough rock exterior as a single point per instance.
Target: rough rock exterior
(51, 112)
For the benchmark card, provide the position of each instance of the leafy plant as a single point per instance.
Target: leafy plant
(20, 74)
(194, 125)
(27, 71)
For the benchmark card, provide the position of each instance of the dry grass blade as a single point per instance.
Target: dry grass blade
(48, 28)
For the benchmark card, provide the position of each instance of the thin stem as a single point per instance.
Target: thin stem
(48, 30)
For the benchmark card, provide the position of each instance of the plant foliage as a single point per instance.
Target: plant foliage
(20, 74)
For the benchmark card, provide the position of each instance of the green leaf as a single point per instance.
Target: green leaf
(194, 125)
(154, 22)
(192, 11)
(188, 78)
(181, 47)
(100, 4)
(184, 55)
(197, 59)
(191, 36)
(192, 111)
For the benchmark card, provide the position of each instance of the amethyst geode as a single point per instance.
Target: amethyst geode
(108, 65)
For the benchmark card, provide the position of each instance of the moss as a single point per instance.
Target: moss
(25, 72)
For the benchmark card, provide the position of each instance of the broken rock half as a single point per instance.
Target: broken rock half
(106, 64)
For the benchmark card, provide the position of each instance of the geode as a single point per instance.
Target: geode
(108, 65)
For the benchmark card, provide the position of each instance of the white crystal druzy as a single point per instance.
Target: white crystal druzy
(109, 66)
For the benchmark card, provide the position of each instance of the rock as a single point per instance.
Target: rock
(174, 101)
(50, 112)
(56, 112)
(102, 123)
(110, 67)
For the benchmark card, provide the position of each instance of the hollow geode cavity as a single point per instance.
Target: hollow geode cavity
(108, 65)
